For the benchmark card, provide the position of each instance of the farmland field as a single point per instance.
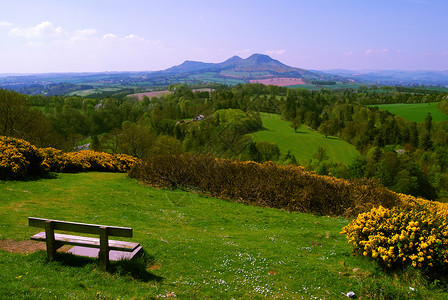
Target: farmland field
(415, 112)
(303, 143)
(279, 81)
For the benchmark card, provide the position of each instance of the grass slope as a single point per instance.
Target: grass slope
(416, 112)
(303, 143)
(200, 247)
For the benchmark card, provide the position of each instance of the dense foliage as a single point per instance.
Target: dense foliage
(20, 159)
(405, 156)
(265, 184)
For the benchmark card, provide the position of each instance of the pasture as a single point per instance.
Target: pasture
(303, 143)
(416, 112)
(196, 247)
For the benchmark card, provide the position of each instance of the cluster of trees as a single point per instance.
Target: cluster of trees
(406, 156)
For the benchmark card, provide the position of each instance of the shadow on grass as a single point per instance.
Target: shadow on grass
(135, 268)
(51, 175)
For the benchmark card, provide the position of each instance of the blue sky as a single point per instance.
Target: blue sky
(38, 36)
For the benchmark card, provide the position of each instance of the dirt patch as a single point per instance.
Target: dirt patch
(279, 81)
(25, 247)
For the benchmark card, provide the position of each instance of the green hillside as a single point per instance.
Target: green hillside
(303, 143)
(416, 112)
(197, 247)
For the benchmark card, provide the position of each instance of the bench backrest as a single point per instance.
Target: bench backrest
(81, 227)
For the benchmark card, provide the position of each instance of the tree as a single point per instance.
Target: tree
(296, 123)
(135, 140)
(321, 154)
(268, 151)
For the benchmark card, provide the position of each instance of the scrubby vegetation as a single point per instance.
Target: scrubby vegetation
(19, 159)
(264, 184)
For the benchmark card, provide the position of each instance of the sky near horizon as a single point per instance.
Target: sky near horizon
(40, 36)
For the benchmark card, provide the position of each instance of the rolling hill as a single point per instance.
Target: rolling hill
(304, 143)
(256, 68)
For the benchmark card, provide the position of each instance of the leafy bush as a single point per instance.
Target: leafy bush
(414, 232)
(18, 159)
(264, 184)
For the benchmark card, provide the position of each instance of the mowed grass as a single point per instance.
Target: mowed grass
(416, 112)
(303, 143)
(196, 247)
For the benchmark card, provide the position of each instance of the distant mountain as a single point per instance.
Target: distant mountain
(254, 63)
(394, 77)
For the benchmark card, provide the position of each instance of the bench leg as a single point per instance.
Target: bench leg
(104, 249)
(49, 239)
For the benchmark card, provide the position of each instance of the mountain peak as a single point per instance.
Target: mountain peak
(262, 58)
(255, 63)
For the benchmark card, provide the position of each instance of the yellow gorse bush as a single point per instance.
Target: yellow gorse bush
(264, 184)
(18, 159)
(414, 232)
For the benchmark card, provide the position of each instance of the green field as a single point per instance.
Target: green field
(243, 74)
(415, 112)
(303, 143)
(214, 77)
(196, 247)
(88, 92)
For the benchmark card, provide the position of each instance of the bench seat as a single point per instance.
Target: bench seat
(90, 242)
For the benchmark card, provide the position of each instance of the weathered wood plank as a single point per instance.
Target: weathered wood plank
(50, 241)
(103, 255)
(81, 227)
(87, 241)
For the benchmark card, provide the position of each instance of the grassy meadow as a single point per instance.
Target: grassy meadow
(196, 247)
(303, 143)
(416, 112)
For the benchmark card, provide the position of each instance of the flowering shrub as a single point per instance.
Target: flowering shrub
(18, 159)
(264, 184)
(88, 160)
(415, 233)
(12, 163)
(54, 159)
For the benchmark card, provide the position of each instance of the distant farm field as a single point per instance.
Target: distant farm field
(416, 112)
(279, 81)
(305, 142)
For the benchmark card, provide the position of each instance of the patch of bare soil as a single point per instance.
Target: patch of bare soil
(279, 81)
(25, 247)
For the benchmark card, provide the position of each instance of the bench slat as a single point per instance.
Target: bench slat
(81, 227)
(87, 241)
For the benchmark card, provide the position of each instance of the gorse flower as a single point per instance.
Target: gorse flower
(411, 233)
(18, 159)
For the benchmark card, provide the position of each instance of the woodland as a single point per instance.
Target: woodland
(405, 156)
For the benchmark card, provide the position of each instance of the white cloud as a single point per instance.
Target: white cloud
(57, 49)
(275, 52)
(44, 30)
(5, 24)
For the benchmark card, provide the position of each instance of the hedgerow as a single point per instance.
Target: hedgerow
(412, 233)
(19, 159)
(265, 184)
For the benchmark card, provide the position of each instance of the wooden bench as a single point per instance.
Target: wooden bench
(55, 240)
